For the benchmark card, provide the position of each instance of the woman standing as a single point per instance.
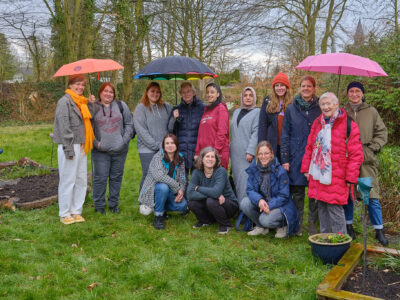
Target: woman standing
(214, 125)
(244, 129)
(151, 124)
(332, 163)
(113, 131)
(209, 192)
(165, 183)
(297, 122)
(272, 112)
(268, 203)
(74, 135)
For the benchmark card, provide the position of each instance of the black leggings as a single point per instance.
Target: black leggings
(206, 211)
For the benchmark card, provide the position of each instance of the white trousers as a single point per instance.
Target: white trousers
(73, 181)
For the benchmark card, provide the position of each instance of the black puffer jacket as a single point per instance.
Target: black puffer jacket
(186, 128)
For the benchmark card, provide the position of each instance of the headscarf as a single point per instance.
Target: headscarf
(81, 102)
(254, 98)
(219, 99)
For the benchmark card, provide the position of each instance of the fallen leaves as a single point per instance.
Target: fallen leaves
(113, 234)
(74, 245)
(84, 269)
(92, 286)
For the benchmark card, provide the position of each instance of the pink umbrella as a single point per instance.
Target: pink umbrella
(342, 63)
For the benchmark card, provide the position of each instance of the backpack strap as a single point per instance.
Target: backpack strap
(348, 131)
(121, 109)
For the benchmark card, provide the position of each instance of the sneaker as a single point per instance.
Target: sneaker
(258, 230)
(67, 220)
(224, 229)
(100, 210)
(114, 209)
(299, 232)
(200, 225)
(158, 222)
(281, 232)
(78, 218)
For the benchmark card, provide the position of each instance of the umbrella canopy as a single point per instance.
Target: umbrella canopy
(175, 68)
(342, 63)
(88, 65)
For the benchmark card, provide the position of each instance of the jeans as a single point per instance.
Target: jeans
(164, 200)
(374, 211)
(272, 220)
(107, 167)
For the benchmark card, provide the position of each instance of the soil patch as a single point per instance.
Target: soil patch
(377, 283)
(32, 188)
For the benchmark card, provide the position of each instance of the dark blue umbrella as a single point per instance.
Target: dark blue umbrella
(175, 68)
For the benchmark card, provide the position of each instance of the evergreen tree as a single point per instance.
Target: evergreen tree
(7, 60)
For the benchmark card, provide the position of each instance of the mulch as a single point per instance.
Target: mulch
(383, 284)
(32, 188)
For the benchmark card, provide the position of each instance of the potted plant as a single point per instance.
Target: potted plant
(329, 247)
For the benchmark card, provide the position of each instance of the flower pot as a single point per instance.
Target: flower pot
(329, 253)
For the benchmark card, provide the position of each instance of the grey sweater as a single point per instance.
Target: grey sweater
(159, 173)
(68, 125)
(151, 126)
(212, 187)
(112, 130)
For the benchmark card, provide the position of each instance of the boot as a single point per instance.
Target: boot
(381, 237)
(312, 229)
(350, 231)
(158, 222)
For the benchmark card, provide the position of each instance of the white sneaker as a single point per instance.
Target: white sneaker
(145, 210)
(258, 230)
(281, 232)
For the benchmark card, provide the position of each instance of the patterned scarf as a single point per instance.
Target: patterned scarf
(81, 103)
(305, 105)
(321, 163)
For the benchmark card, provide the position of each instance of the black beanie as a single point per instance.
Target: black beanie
(356, 84)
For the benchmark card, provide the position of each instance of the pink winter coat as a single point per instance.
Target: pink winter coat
(214, 132)
(344, 169)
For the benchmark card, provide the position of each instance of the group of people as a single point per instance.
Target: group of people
(276, 151)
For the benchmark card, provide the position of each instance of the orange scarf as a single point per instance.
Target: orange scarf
(81, 102)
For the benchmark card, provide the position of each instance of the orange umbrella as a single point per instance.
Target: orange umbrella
(88, 65)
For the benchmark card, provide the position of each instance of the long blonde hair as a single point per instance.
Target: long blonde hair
(273, 103)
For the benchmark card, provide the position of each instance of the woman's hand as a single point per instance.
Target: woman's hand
(176, 114)
(179, 196)
(249, 157)
(92, 98)
(262, 204)
(307, 176)
(221, 199)
(286, 167)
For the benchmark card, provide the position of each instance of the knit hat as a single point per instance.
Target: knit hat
(281, 78)
(356, 84)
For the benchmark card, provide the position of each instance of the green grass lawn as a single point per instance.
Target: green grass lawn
(124, 257)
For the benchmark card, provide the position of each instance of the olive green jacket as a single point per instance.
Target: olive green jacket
(373, 137)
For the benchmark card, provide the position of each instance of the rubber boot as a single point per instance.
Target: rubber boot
(350, 231)
(381, 237)
(159, 222)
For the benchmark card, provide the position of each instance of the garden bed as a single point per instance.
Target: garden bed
(27, 184)
(346, 275)
(381, 283)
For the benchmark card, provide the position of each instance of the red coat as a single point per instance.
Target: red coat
(214, 132)
(344, 169)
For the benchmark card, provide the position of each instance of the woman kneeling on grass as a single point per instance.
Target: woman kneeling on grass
(268, 203)
(209, 192)
(165, 183)
(74, 135)
(332, 162)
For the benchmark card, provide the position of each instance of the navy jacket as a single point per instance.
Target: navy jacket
(186, 128)
(295, 130)
(280, 196)
(268, 126)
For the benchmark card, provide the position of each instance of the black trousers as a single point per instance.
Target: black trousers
(209, 210)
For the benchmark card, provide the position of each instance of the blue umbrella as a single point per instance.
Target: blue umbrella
(175, 68)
